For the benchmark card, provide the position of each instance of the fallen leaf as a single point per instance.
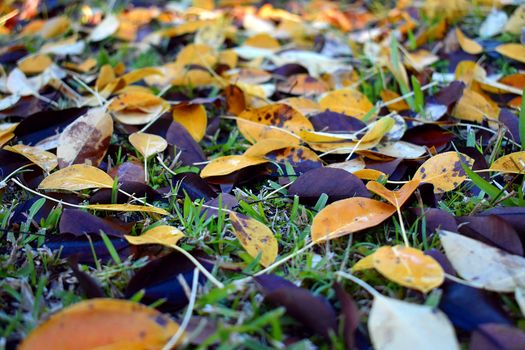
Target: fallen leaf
(482, 265)
(272, 121)
(396, 198)
(128, 208)
(45, 160)
(513, 163)
(255, 237)
(77, 177)
(163, 234)
(468, 45)
(86, 140)
(348, 216)
(346, 101)
(137, 107)
(35, 64)
(104, 29)
(106, 323)
(408, 267)
(229, 164)
(193, 118)
(147, 144)
(444, 171)
(387, 320)
(512, 51)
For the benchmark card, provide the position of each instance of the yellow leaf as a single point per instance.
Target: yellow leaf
(468, 45)
(105, 324)
(164, 235)
(128, 208)
(77, 177)
(229, 164)
(193, 118)
(444, 171)
(347, 101)
(369, 174)
(389, 95)
(396, 198)
(409, 267)
(516, 21)
(139, 74)
(265, 146)
(147, 144)
(137, 107)
(475, 107)
(302, 105)
(45, 160)
(348, 216)
(34, 64)
(272, 121)
(54, 27)
(255, 237)
(365, 263)
(512, 51)
(513, 163)
(7, 132)
(263, 41)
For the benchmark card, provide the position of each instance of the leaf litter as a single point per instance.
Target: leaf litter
(239, 172)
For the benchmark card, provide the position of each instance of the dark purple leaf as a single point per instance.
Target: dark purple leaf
(468, 307)
(90, 286)
(329, 121)
(194, 186)
(442, 260)
(159, 280)
(511, 121)
(497, 337)
(450, 94)
(349, 315)
(190, 151)
(312, 311)
(129, 171)
(492, 230)
(82, 247)
(137, 189)
(79, 222)
(513, 215)
(290, 69)
(428, 135)
(42, 125)
(223, 201)
(336, 183)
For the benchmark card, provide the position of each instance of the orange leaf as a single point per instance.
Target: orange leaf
(102, 323)
(348, 216)
(396, 198)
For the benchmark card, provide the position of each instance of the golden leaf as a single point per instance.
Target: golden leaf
(77, 177)
(513, 163)
(164, 235)
(45, 160)
(255, 237)
(444, 171)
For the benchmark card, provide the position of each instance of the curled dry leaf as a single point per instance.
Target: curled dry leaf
(388, 320)
(137, 107)
(164, 235)
(396, 198)
(229, 164)
(105, 323)
(45, 160)
(193, 118)
(77, 177)
(255, 237)
(482, 265)
(513, 163)
(348, 216)
(406, 266)
(147, 144)
(128, 208)
(272, 121)
(86, 140)
(444, 171)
